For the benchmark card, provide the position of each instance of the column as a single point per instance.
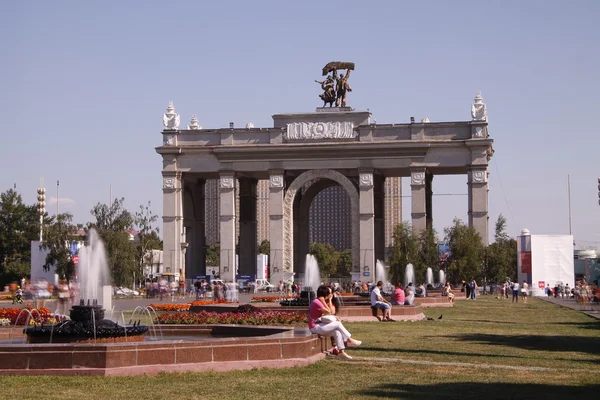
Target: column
(227, 225)
(366, 226)
(276, 193)
(478, 201)
(428, 200)
(172, 221)
(379, 207)
(196, 252)
(417, 194)
(247, 241)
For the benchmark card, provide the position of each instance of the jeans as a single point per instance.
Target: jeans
(473, 294)
(335, 329)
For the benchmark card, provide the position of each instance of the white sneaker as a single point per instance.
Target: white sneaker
(344, 356)
(352, 343)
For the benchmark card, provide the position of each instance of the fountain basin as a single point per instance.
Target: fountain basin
(245, 347)
(87, 324)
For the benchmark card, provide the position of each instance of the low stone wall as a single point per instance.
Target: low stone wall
(290, 348)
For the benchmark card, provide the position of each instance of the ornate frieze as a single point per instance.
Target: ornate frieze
(276, 181)
(320, 130)
(365, 180)
(417, 178)
(168, 183)
(226, 182)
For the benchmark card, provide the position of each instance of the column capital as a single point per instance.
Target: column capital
(171, 180)
(226, 179)
(478, 175)
(365, 179)
(417, 176)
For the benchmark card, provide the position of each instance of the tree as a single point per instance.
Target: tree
(148, 238)
(264, 247)
(212, 256)
(56, 238)
(404, 251)
(326, 257)
(114, 218)
(344, 266)
(19, 226)
(429, 253)
(501, 255)
(111, 224)
(467, 251)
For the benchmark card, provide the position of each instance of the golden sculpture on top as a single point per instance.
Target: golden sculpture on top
(335, 95)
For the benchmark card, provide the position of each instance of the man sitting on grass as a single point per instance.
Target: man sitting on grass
(378, 301)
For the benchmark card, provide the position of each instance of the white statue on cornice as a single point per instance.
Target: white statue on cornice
(194, 125)
(171, 118)
(478, 110)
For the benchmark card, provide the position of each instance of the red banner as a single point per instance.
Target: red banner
(526, 262)
(541, 284)
(76, 260)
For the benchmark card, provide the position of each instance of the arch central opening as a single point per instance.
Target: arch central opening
(312, 189)
(324, 224)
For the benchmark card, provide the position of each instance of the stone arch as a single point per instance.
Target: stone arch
(288, 212)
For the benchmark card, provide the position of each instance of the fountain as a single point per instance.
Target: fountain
(87, 319)
(442, 278)
(409, 275)
(381, 275)
(312, 277)
(429, 279)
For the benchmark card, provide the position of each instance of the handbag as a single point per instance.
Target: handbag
(326, 319)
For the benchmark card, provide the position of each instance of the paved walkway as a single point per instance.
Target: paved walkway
(591, 309)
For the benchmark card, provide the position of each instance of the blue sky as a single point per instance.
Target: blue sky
(83, 86)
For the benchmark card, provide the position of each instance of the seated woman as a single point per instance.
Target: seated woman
(398, 295)
(448, 292)
(322, 321)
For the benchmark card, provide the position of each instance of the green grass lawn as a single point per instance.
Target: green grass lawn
(487, 349)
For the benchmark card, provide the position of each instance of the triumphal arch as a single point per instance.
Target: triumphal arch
(300, 155)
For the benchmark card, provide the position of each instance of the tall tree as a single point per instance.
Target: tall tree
(264, 247)
(212, 256)
(429, 254)
(19, 226)
(326, 257)
(502, 254)
(466, 252)
(405, 251)
(56, 238)
(112, 223)
(344, 267)
(148, 239)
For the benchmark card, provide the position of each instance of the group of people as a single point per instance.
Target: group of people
(288, 288)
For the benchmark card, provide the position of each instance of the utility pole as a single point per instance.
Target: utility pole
(57, 197)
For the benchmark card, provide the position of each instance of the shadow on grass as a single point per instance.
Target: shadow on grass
(595, 325)
(589, 345)
(479, 390)
(435, 352)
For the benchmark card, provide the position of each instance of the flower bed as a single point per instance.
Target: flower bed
(170, 307)
(209, 302)
(38, 317)
(238, 318)
(271, 299)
